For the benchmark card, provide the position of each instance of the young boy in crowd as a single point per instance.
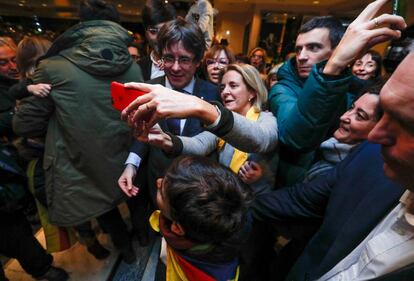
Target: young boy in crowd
(203, 218)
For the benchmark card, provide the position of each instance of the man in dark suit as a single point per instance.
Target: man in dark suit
(368, 228)
(182, 48)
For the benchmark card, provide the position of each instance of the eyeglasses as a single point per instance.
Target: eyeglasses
(153, 30)
(220, 62)
(184, 62)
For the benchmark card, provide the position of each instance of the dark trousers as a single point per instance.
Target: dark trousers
(140, 209)
(257, 253)
(17, 241)
(112, 223)
(140, 206)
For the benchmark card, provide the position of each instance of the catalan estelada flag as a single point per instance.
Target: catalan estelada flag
(181, 267)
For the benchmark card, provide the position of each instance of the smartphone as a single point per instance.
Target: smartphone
(122, 97)
(396, 7)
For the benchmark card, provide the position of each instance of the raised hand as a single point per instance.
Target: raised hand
(162, 103)
(363, 33)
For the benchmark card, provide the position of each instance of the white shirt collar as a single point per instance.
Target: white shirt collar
(189, 88)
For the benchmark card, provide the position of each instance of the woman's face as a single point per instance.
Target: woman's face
(365, 68)
(234, 93)
(257, 59)
(216, 65)
(359, 120)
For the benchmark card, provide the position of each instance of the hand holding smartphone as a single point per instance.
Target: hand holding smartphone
(122, 97)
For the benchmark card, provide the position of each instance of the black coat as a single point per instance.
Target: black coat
(352, 199)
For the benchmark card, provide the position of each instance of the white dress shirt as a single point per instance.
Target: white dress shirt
(388, 247)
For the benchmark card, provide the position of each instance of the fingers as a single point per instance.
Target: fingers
(146, 112)
(127, 187)
(46, 87)
(396, 21)
(254, 165)
(383, 34)
(140, 86)
(129, 191)
(137, 103)
(370, 11)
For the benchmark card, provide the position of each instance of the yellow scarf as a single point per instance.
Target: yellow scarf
(239, 157)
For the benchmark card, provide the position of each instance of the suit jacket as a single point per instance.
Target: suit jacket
(352, 199)
(145, 65)
(155, 160)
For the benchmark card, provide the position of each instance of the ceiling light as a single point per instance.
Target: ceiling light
(21, 4)
(227, 32)
(44, 5)
(316, 2)
(119, 5)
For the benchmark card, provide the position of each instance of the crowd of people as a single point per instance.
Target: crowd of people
(298, 171)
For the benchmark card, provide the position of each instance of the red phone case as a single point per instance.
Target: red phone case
(122, 97)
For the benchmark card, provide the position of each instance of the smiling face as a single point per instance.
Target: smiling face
(359, 120)
(395, 130)
(365, 67)
(216, 65)
(234, 93)
(312, 47)
(179, 74)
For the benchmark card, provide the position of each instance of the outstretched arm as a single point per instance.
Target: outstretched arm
(363, 33)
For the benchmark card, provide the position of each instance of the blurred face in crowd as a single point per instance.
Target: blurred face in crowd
(179, 65)
(8, 66)
(395, 129)
(151, 33)
(312, 47)
(257, 59)
(359, 120)
(216, 65)
(234, 93)
(134, 54)
(364, 68)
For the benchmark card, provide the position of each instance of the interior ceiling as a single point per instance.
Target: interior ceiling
(131, 9)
